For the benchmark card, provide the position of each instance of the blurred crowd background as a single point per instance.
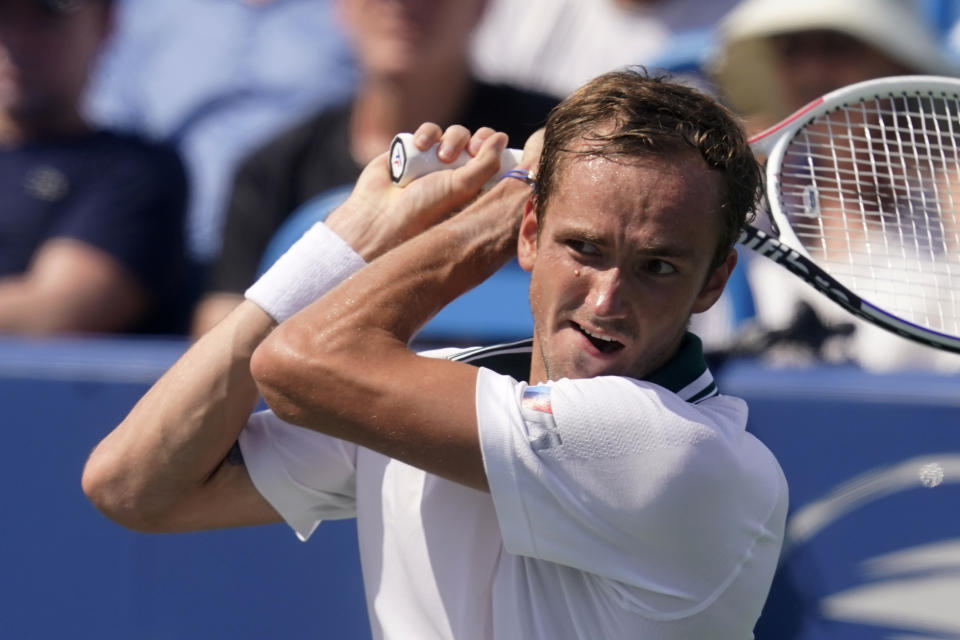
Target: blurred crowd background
(156, 156)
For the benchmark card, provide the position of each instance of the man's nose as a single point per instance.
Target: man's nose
(606, 297)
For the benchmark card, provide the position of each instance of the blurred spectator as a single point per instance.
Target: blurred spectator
(215, 78)
(557, 45)
(415, 68)
(775, 56)
(91, 222)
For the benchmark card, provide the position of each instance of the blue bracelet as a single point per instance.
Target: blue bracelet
(522, 175)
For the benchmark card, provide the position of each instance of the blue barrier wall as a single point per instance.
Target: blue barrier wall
(67, 572)
(873, 464)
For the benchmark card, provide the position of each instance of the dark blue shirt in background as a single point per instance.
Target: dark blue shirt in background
(118, 193)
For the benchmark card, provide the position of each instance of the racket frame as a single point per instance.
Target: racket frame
(784, 247)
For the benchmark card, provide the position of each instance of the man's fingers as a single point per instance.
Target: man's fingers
(453, 143)
(437, 196)
(397, 214)
(376, 175)
(479, 137)
(427, 135)
(473, 175)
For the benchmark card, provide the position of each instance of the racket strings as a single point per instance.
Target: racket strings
(871, 191)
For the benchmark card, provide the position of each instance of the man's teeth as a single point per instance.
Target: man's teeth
(593, 335)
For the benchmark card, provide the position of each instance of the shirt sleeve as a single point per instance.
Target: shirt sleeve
(623, 479)
(306, 476)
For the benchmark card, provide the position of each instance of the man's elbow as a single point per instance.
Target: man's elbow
(108, 484)
(280, 370)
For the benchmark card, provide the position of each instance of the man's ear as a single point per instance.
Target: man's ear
(715, 283)
(527, 238)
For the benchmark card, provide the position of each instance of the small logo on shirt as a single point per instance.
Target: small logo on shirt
(46, 183)
(537, 410)
(537, 399)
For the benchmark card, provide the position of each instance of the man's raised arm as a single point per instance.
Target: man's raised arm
(171, 464)
(375, 391)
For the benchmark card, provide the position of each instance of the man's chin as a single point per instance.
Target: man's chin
(587, 367)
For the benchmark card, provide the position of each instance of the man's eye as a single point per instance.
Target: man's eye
(584, 248)
(660, 267)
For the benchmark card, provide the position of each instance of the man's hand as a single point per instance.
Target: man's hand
(378, 215)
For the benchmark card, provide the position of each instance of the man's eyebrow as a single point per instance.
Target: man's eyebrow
(583, 233)
(671, 250)
(668, 250)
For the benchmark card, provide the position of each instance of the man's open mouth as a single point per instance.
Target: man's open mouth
(602, 344)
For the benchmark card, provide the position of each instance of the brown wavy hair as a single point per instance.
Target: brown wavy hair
(628, 113)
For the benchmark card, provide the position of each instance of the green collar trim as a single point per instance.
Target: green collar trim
(686, 374)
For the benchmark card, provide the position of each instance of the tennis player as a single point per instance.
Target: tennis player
(589, 483)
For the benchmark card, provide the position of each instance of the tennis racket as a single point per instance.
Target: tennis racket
(863, 194)
(863, 203)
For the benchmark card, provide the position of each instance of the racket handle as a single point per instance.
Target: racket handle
(407, 162)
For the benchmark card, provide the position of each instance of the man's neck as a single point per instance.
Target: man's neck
(385, 106)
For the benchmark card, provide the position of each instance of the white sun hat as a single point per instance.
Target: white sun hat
(743, 65)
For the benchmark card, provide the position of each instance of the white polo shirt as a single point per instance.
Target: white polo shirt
(618, 508)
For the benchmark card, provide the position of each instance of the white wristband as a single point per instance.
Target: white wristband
(316, 263)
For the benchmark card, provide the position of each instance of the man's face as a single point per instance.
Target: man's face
(403, 36)
(46, 55)
(620, 262)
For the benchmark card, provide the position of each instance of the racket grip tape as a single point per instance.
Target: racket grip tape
(407, 162)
